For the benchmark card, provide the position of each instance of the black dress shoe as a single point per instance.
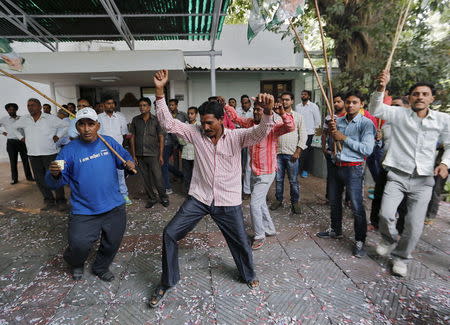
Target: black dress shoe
(150, 204)
(165, 203)
(77, 273)
(13, 182)
(31, 179)
(107, 276)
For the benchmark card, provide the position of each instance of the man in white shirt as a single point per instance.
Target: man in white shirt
(312, 120)
(410, 164)
(42, 131)
(13, 145)
(245, 111)
(114, 124)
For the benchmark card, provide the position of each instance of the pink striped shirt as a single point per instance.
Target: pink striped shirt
(217, 168)
(263, 155)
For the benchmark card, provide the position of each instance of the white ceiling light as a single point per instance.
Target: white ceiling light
(106, 78)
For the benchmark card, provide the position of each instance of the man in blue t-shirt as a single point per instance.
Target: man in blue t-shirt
(90, 168)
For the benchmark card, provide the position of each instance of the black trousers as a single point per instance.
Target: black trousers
(15, 147)
(40, 165)
(151, 172)
(84, 230)
(230, 221)
(307, 155)
(188, 167)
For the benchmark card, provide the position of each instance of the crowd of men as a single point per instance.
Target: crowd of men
(229, 154)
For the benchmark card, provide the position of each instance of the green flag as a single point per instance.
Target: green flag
(268, 13)
(9, 58)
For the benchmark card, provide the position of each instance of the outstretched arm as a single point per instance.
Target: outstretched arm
(166, 120)
(235, 118)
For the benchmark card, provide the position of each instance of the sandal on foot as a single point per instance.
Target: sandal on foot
(158, 296)
(105, 276)
(253, 284)
(258, 243)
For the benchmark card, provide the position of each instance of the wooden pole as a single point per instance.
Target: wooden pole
(67, 111)
(398, 31)
(313, 68)
(325, 57)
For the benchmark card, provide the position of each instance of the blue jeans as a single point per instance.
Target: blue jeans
(291, 167)
(352, 178)
(166, 167)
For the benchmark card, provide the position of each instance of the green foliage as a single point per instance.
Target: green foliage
(362, 32)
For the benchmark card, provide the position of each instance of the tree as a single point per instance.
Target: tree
(362, 31)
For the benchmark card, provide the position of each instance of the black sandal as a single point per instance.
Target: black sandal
(158, 296)
(253, 284)
(106, 276)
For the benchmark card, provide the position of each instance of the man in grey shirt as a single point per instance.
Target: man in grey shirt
(147, 146)
(410, 164)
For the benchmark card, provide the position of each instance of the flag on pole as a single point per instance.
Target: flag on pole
(268, 13)
(9, 58)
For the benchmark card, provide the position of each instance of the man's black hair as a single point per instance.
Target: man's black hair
(35, 100)
(213, 107)
(145, 99)
(13, 105)
(193, 108)
(174, 100)
(212, 98)
(244, 96)
(109, 97)
(46, 105)
(288, 93)
(68, 104)
(422, 84)
(308, 92)
(231, 98)
(402, 98)
(89, 102)
(338, 95)
(356, 93)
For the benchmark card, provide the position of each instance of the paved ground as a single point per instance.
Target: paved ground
(304, 279)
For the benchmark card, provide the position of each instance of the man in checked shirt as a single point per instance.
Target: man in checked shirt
(216, 183)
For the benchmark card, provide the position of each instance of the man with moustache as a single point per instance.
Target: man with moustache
(215, 187)
(410, 161)
(98, 208)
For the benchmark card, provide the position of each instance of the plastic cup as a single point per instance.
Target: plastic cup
(60, 164)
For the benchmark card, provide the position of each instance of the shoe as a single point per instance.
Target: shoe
(62, 207)
(305, 174)
(48, 207)
(384, 248)
(31, 179)
(399, 267)
(358, 250)
(428, 221)
(371, 190)
(165, 202)
(371, 227)
(276, 205)
(150, 204)
(13, 182)
(258, 243)
(295, 208)
(127, 200)
(105, 276)
(77, 273)
(158, 296)
(371, 196)
(169, 191)
(329, 233)
(245, 196)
